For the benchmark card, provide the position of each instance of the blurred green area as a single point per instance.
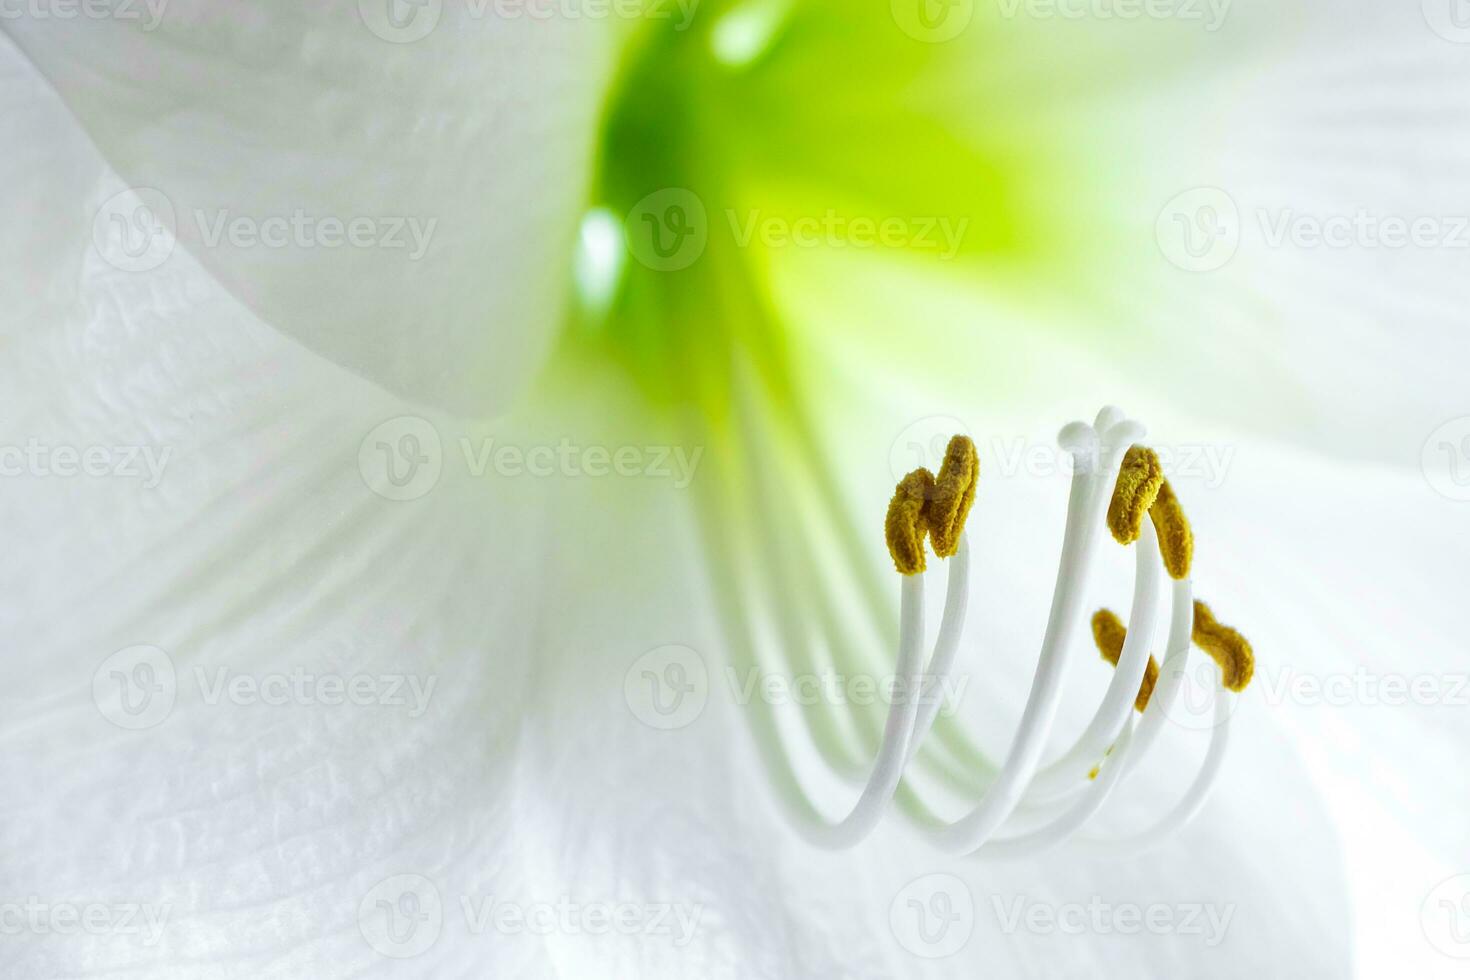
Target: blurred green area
(783, 127)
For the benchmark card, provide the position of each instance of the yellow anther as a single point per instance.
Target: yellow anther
(954, 492)
(1109, 633)
(1176, 540)
(907, 522)
(1138, 485)
(1228, 648)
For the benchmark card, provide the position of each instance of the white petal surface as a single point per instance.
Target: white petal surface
(1334, 143)
(404, 207)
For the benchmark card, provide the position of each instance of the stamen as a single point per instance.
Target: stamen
(1176, 540)
(923, 508)
(1109, 633)
(1137, 488)
(1229, 649)
(954, 493)
(907, 521)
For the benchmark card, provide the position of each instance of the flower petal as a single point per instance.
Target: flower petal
(405, 209)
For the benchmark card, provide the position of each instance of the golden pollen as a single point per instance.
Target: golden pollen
(1139, 480)
(1109, 633)
(954, 493)
(1228, 648)
(907, 521)
(1176, 540)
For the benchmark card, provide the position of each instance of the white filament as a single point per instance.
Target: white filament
(1171, 673)
(1063, 774)
(1090, 483)
(892, 754)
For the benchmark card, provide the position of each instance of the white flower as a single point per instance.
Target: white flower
(308, 675)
